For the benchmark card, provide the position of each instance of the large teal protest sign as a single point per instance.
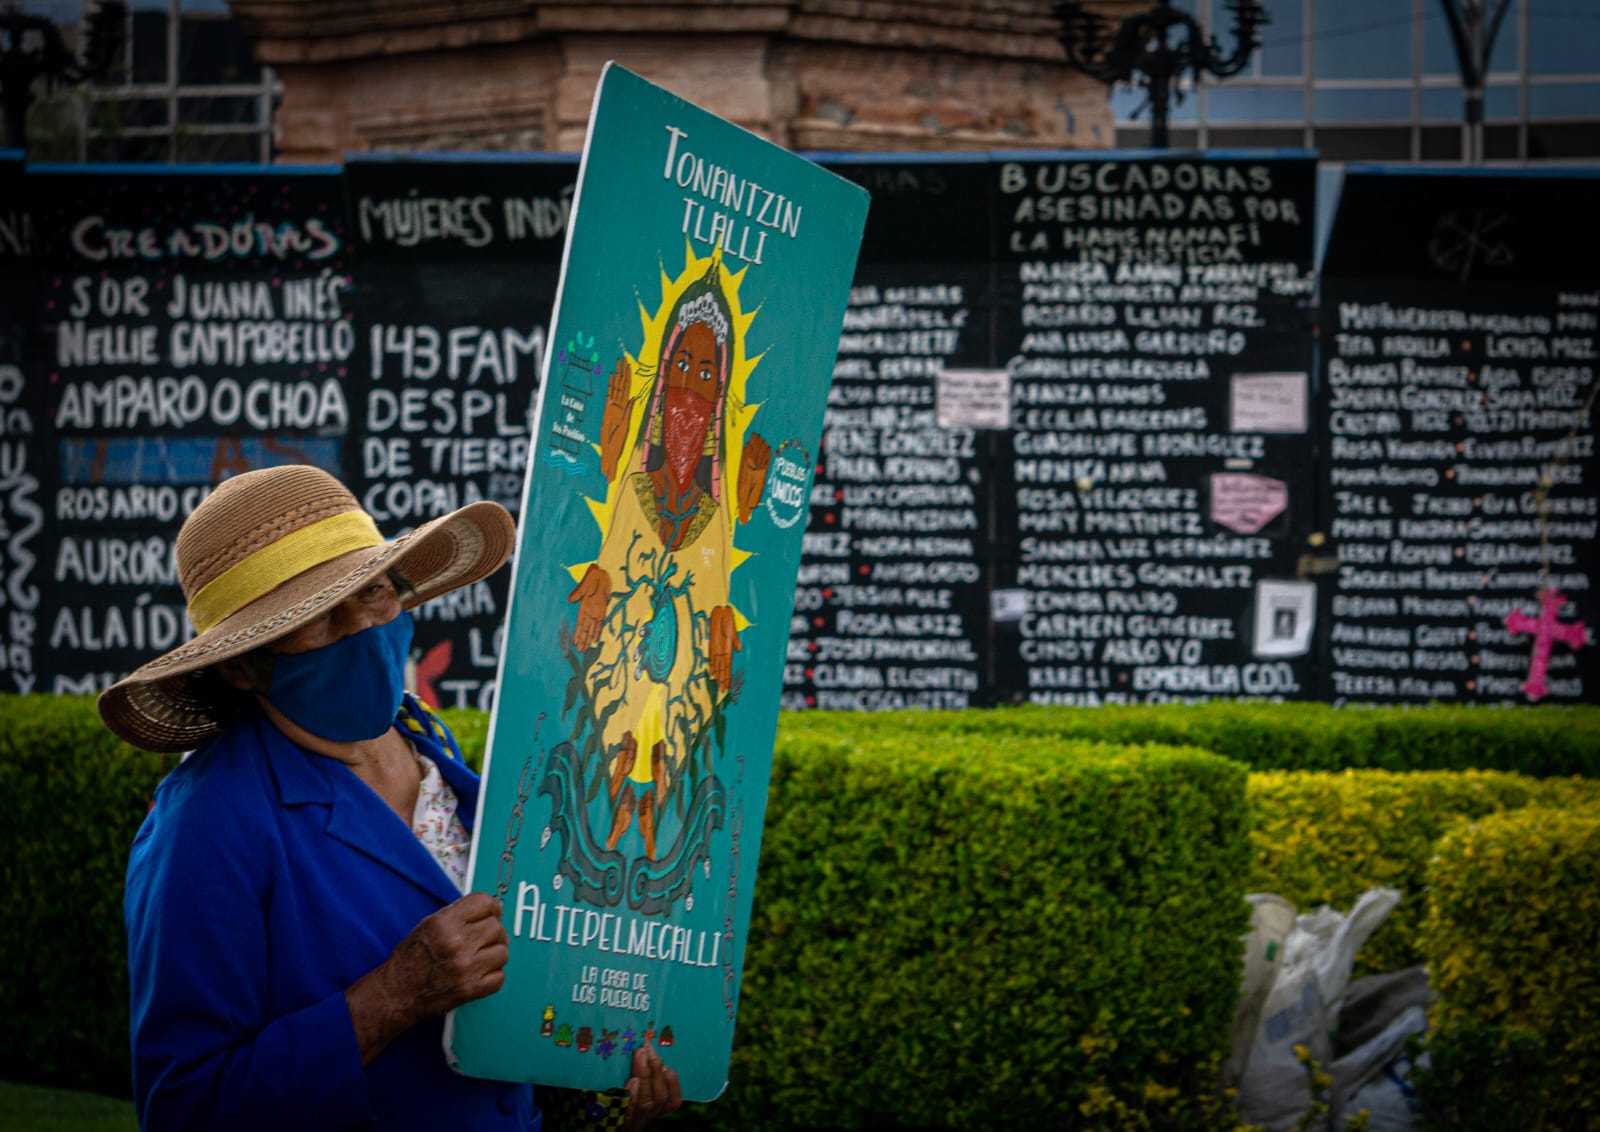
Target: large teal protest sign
(692, 347)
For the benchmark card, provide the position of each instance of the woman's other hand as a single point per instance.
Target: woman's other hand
(653, 1089)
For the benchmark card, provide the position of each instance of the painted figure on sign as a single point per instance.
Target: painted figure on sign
(654, 635)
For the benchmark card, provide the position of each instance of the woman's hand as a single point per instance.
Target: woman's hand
(653, 1089)
(456, 955)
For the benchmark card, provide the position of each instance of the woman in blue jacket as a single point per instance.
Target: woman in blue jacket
(296, 927)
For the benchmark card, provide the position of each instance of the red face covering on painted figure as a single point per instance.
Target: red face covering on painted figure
(691, 398)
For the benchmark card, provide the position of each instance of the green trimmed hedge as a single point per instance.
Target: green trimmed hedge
(75, 797)
(1035, 932)
(962, 919)
(1512, 941)
(1320, 838)
(471, 729)
(1538, 741)
(1034, 927)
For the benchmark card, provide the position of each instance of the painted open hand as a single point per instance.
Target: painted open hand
(753, 474)
(591, 595)
(724, 643)
(614, 419)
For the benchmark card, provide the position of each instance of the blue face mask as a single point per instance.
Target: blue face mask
(349, 690)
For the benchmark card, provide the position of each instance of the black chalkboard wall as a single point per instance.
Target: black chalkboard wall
(455, 268)
(1461, 345)
(891, 609)
(1079, 446)
(193, 324)
(1155, 491)
(21, 452)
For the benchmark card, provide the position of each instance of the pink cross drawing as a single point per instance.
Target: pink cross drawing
(1547, 629)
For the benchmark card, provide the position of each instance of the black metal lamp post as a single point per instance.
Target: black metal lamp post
(1159, 45)
(31, 47)
(1473, 31)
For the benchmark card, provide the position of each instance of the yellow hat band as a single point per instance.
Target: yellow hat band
(277, 562)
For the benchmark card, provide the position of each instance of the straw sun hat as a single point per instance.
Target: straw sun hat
(267, 552)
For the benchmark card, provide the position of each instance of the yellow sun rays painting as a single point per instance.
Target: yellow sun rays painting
(740, 411)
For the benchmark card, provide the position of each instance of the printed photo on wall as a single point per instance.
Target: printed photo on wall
(696, 325)
(1286, 613)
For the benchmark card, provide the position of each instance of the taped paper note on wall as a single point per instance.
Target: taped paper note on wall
(1269, 402)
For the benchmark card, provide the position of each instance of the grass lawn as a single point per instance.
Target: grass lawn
(29, 1108)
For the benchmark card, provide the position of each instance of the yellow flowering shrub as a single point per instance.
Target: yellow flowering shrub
(1325, 838)
(1512, 940)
